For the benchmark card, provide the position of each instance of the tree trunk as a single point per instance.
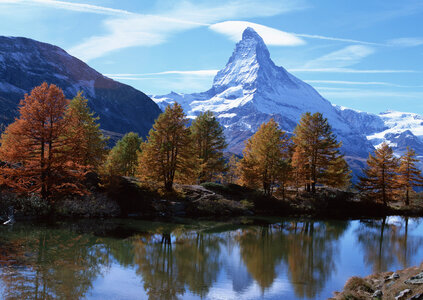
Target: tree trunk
(407, 198)
(169, 186)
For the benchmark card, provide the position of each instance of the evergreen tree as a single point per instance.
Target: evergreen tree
(36, 147)
(264, 157)
(168, 154)
(316, 146)
(409, 176)
(379, 180)
(209, 143)
(89, 143)
(123, 158)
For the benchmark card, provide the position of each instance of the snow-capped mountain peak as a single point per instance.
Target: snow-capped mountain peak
(251, 89)
(249, 57)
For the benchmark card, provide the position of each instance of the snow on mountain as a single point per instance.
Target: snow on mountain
(402, 130)
(399, 129)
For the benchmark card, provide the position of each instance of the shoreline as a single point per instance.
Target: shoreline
(399, 285)
(210, 201)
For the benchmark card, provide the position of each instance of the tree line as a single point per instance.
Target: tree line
(55, 142)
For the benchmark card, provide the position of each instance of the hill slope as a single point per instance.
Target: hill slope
(26, 63)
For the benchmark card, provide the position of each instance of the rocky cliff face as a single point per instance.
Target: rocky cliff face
(25, 63)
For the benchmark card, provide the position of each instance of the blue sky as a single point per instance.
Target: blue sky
(366, 55)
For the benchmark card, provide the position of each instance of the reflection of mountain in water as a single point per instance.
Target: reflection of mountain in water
(234, 267)
(172, 261)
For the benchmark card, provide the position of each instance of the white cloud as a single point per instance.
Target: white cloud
(271, 36)
(347, 70)
(73, 6)
(148, 30)
(345, 57)
(406, 42)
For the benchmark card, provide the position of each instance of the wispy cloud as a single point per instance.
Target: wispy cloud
(134, 76)
(345, 57)
(367, 94)
(348, 70)
(388, 10)
(343, 82)
(321, 37)
(127, 29)
(73, 6)
(148, 30)
(271, 36)
(406, 42)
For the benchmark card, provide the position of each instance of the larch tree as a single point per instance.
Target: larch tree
(35, 148)
(379, 180)
(90, 145)
(209, 143)
(409, 175)
(230, 174)
(300, 171)
(123, 158)
(168, 154)
(338, 174)
(317, 149)
(264, 157)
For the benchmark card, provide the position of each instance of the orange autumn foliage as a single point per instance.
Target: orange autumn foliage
(35, 149)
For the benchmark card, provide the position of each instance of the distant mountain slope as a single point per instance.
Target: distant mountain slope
(399, 129)
(25, 63)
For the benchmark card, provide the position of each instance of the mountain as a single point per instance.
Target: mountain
(399, 129)
(251, 89)
(25, 63)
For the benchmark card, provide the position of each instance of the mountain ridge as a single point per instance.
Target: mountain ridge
(26, 63)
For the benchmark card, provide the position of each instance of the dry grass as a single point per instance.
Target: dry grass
(363, 288)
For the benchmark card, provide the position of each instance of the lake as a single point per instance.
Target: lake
(260, 258)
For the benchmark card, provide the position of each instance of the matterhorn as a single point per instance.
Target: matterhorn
(251, 89)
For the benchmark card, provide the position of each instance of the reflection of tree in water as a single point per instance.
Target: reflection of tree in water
(308, 248)
(167, 266)
(52, 264)
(385, 243)
(261, 251)
(311, 250)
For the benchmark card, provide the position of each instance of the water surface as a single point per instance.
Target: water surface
(246, 259)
